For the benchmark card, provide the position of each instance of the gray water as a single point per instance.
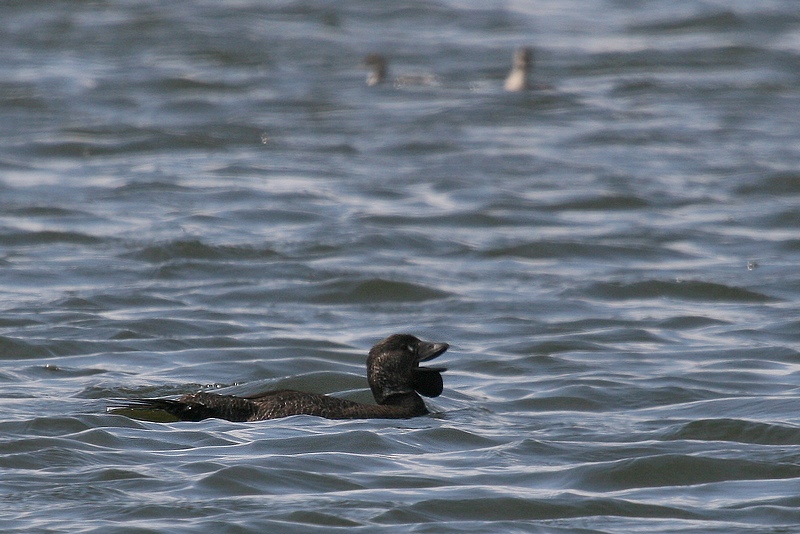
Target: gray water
(206, 195)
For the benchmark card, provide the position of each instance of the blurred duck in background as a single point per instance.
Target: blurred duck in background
(517, 79)
(378, 68)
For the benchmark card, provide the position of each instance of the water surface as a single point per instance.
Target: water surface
(207, 195)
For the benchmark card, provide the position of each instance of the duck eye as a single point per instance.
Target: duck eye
(410, 348)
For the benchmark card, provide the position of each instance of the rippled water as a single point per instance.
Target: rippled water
(206, 195)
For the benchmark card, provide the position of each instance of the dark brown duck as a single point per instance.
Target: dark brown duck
(393, 372)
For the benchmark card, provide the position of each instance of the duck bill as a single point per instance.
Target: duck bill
(427, 351)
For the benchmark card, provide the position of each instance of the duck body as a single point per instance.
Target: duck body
(378, 67)
(393, 373)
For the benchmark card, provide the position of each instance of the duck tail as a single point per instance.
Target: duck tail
(159, 410)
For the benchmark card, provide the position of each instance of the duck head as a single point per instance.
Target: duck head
(393, 367)
(523, 58)
(377, 66)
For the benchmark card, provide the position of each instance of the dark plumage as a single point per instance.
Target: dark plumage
(393, 373)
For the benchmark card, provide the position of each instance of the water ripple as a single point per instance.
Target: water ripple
(209, 196)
